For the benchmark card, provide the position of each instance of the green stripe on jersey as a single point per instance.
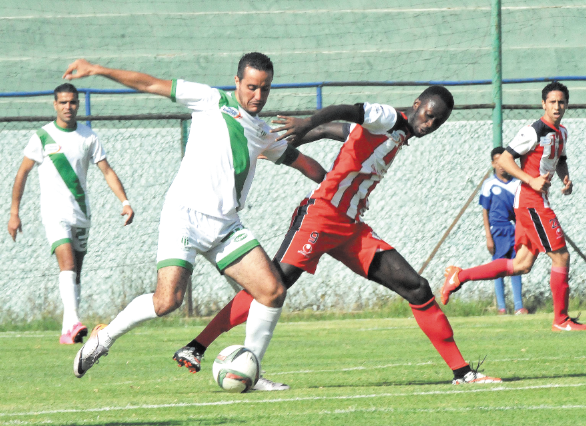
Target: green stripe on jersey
(238, 143)
(65, 170)
(173, 90)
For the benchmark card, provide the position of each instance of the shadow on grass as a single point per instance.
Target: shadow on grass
(556, 376)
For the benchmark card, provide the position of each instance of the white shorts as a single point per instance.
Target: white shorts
(183, 233)
(59, 233)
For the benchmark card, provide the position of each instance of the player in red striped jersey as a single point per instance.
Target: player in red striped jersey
(542, 150)
(329, 220)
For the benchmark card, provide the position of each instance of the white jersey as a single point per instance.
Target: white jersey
(63, 157)
(221, 153)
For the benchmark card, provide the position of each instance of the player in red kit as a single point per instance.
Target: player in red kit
(542, 150)
(329, 220)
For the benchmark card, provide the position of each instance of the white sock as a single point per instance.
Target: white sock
(138, 311)
(260, 325)
(69, 298)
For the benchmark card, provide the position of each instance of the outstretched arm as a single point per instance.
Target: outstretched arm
(116, 186)
(296, 128)
(564, 175)
(309, 167)
(135, 80)
(14, 224)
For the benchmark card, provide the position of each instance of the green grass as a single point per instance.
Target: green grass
(347, 371)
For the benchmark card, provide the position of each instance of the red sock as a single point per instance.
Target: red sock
(560, 291)
(495, 269)
(434, 323)
(233, 314)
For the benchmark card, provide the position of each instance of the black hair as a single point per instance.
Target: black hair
(496, 151)
(439, 91)
(66, 88)
(255, 60)
(555, 86)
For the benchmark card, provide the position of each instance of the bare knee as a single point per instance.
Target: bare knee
(273, 296)
(166, 304)
(522, 268)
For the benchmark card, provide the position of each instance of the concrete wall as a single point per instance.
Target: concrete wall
(308, 41)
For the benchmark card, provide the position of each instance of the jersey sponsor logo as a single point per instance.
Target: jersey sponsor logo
(231, 111)
(547, 139)
(51, 148)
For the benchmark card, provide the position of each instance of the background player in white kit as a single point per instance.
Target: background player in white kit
(200, 213)
(63, 150)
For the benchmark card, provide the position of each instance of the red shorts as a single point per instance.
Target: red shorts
(539, 229)
(317, 227)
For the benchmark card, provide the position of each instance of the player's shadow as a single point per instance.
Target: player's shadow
(556, 376)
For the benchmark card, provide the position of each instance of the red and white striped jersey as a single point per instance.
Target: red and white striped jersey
(540, 146)
(362, 161)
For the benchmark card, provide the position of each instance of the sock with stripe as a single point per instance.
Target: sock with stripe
(434, 323)
(489, 271)
(560, 291)
(233, 314)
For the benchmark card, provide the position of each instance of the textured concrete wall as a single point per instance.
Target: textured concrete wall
(308, 41)
(411, 209)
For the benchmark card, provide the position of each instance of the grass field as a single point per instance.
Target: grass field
(361, 371)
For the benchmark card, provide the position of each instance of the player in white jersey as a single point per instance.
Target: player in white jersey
(200, 213)
(63, 150)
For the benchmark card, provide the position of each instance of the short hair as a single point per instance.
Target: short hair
(255, 60)
(496, 151)
(439, 91)
(65, 88)
(555, 86)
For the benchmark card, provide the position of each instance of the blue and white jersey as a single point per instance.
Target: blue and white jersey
(498, 197)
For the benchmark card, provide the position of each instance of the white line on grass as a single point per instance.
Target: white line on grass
(469, 389)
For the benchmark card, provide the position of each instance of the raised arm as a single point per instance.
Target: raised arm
(296, 128)
(116, 186)
(14, 224)
(135, 80)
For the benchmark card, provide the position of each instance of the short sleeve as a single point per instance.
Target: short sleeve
(276, 150)
(97, 151)
(195, 96)
(379, 118)
(485, 195)
(34, 149)
(524, 142)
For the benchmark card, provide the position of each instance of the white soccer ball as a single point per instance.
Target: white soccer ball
(236, 369)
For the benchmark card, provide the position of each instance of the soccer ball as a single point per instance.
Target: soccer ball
(236, 369)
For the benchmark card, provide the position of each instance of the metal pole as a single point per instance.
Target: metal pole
(497, 75)
(88, 107)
